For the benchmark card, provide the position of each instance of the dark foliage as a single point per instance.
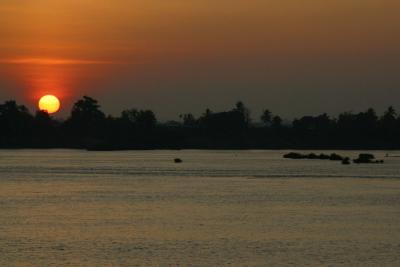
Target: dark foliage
(88, 127)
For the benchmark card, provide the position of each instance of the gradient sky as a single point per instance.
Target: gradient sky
(177, 56)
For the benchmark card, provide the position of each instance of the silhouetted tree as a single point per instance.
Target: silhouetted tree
(87, 120)
(389, 118)
(346, 121)
(276, 122)
(243, 111)
(389, 128)
(188, 120)
(15, 124)
(367, 120)
(141, 119)
(44, 130)
(87, 110)
(228, 121)
(43, 120)
(266, 117)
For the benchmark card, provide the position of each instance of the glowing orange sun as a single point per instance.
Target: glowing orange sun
(49, 103)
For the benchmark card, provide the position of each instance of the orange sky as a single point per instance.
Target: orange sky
(143, 52)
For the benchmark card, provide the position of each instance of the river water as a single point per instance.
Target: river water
(217, 208)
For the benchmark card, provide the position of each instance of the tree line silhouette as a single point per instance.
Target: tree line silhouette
(88, 127)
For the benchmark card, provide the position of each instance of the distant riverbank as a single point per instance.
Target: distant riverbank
(88, 127)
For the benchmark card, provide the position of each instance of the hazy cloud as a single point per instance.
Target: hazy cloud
(54, 61)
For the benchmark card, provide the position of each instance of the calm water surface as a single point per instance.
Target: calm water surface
(217, 208)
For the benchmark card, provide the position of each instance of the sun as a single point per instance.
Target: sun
(49, 103)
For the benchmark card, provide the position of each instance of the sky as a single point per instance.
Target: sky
(293, 57)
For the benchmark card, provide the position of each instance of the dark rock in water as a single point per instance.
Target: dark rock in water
(293, 155)
(366, 158)
(320, 156)
(335, 156)
(362, 158)
(323, 156)
(346, 161)
(177, 160)
(312, 156)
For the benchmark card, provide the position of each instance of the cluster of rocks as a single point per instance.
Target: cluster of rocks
(294, 155)
(366, 158)
(362, 158)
